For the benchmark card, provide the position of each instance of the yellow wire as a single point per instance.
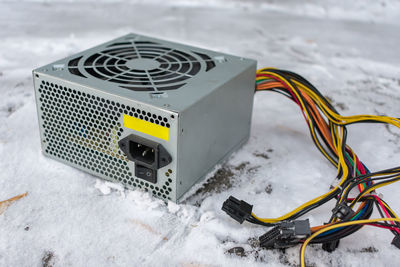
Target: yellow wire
(372, 189)
(394, 214)
(342, 120)
(340, 156)
(335, 131)
(304, 109)
(337, 142)
(308, 240)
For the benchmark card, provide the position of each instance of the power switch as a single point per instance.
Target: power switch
(145, 173)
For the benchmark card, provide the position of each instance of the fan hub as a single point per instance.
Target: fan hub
(142, 64)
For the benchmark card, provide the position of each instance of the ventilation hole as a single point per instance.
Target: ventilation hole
(209, 62)
(122, 63)
(74, 62)
(84, 130)
(76, 71)
(210, 65)
(95, 74)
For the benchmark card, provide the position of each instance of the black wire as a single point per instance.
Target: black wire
(346, 230)
(369, 187)
(350, 182)
(330, 152)
(256, 221)
(302, 80)
(317, 143)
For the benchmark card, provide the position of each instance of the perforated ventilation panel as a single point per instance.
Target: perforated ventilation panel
(142, 65)
(84, 130)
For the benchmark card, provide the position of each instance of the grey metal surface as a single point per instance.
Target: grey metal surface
(197, 87)
(214, 127)
(81, 118)
(67, 136)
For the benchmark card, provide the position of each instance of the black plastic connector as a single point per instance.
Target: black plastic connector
(396, 241)
(148, 155)
(270, 238)
(343, 212)
(331, 246)
(145, 152)
(238, 209)
(285, 234)
(145, 173)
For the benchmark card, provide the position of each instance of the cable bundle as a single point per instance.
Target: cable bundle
(328, 131)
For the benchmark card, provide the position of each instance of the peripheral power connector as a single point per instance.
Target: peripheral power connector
(343, 212)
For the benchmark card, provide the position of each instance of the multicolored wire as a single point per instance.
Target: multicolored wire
(328, 131)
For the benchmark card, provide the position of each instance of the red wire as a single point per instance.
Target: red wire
(357, 162)
(383, 226)
(386, 212)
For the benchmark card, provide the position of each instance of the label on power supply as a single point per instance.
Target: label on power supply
(146, 127)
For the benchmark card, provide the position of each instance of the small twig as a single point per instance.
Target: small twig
(6, 203)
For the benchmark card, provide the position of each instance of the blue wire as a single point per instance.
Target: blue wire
(337, 229)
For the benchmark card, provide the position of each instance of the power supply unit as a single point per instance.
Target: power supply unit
(144, 112)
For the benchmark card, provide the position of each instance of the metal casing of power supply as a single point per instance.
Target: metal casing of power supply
(193, 103)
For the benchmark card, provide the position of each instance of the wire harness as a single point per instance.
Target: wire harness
(329, 133)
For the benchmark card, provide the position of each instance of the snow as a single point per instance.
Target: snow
(348, 49)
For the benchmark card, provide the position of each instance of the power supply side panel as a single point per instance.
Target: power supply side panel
(214, 127)
(81, 127)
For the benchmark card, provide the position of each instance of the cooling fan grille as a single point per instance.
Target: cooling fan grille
(142, 65)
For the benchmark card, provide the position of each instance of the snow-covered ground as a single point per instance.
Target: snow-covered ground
(348, 49)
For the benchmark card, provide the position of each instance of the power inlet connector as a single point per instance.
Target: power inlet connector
(285, 234)
(148, 155)
(238, 209)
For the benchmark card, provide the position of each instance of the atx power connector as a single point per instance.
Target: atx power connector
(285, 234)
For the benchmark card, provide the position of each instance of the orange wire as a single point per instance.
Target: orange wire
(315, 114)
(322, 126)
(316, 228)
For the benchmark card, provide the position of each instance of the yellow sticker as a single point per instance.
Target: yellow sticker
(146, 127)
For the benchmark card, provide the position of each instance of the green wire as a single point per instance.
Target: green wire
(356, 216)
(352, 163)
